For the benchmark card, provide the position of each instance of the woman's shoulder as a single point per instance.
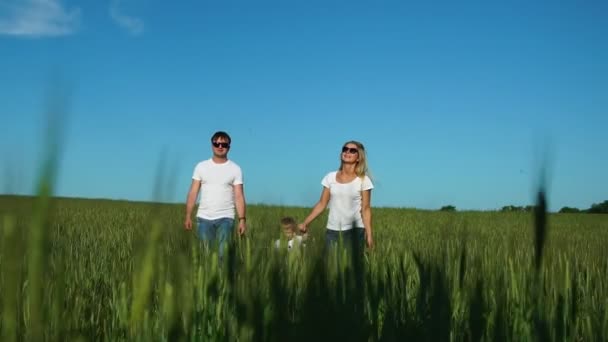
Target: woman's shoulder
(331, 176)
(366, 182)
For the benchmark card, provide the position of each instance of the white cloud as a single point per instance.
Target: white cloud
(132, 24)
(37, 18)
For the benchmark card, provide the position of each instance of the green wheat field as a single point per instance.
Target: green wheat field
(75, 269)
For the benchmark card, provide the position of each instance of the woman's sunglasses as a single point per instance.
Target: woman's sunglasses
(222, 145)
(349, 150)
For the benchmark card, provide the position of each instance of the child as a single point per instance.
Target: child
(291, 234)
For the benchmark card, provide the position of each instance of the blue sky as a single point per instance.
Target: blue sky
(457, 102)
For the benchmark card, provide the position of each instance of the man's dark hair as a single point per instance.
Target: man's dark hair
(221, 134)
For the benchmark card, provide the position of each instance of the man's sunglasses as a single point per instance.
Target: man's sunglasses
(222, 145)
(349, 150)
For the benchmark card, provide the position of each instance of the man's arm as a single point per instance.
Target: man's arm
(239, 201)
(190, 201)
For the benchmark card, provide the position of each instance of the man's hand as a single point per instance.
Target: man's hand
(188, 223)
(242, 227)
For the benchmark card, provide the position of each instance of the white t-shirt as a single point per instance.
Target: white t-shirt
(295, 242)
(345, 201)
(217, 188)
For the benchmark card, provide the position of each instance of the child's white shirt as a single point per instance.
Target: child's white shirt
(296, 241)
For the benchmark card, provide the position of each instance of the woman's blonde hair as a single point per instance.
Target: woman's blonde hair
(361, 168)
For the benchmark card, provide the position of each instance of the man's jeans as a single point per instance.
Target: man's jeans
(219, 229)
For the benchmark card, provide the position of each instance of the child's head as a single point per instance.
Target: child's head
(289, 227)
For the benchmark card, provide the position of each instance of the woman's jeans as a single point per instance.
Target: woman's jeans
(352, 238)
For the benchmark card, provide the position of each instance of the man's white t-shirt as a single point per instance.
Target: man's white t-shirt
(345, 201)
(217, 188)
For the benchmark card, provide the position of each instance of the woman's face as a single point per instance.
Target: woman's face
(350, 153)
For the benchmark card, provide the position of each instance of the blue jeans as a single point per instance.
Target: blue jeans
(220, 229)
(349, 237)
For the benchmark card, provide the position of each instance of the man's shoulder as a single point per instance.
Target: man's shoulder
(233, 164)
(201, 166)
(204, 162)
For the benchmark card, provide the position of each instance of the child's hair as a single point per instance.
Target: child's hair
(288, 221)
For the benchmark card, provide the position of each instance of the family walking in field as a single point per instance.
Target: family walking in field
(219, 180)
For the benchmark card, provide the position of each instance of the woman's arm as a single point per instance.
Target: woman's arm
(316, 210)
(366, 214)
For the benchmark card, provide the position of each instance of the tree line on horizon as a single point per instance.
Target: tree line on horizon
(596, 208)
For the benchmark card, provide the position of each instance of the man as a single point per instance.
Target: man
(220, 182)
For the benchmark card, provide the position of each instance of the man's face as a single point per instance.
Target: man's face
(220, 147)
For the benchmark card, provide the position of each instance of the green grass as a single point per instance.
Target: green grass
(111, 270)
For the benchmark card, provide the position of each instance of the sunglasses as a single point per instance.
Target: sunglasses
(349, 150)
(222, 145)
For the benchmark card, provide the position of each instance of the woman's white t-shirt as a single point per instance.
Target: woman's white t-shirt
(345, 201)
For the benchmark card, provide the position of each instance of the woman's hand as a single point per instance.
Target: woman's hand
(369, 240)
(303, 228)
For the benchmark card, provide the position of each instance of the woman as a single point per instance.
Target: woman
(348, 194)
